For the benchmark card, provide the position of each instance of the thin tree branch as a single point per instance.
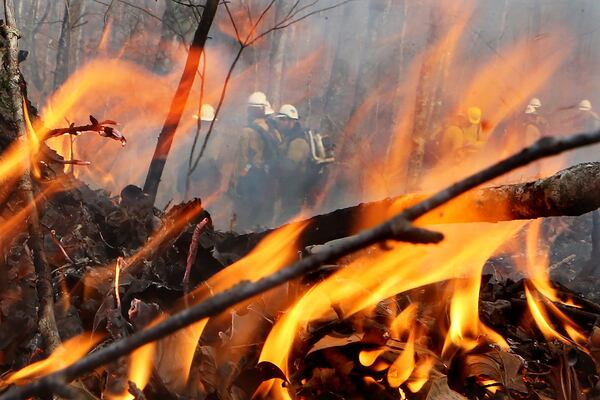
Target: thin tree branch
(235, 28)
(165, 139)
(397, 228)
(243, 45)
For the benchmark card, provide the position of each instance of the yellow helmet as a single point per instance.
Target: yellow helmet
(474, 114)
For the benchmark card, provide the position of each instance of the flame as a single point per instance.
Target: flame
(368, 357)
(402, 268)
(421, 373)
(272, 253)
(403, 321)
(465, 326)
(404, 365)
(541, 305)
(66, 354)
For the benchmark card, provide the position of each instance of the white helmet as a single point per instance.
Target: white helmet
(585, 105)
(268, 109)
(207, 113)
(533, 106)
(288, 111)
(535, 102)
(257, 99)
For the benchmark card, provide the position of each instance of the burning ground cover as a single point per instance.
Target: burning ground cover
(392, 321)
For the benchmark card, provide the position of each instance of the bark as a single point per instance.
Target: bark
(165, 139)
(572, 191)
(12, 93)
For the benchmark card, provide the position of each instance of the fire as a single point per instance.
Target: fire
(368, 280)
(465, 326)
(403, 367)
(541, 295)
(368, 357)
(272, 253)
(421, 373)
(66, 354)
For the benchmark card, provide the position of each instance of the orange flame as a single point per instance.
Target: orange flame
(272, 253)
(66, 354)
(404, 365)
(402, 268)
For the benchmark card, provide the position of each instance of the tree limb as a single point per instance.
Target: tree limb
(165, 139)
(572, 191)
(396, 228)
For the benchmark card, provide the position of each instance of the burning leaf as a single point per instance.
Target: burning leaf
(440, 390)
(497, 365)
(329, 341)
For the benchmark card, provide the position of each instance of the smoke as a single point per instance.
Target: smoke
(376, 76)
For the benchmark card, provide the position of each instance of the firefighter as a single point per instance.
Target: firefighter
(473, 134)
(534, 125)
(253, 187)
(588, 119)
(294, 173)
(465, 136)
(206, 176)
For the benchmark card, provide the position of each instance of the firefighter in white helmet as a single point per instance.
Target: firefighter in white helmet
(252, 186)
(205, 177)
(534, 125)
(298, 170)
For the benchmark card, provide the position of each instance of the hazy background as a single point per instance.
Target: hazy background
(359, 72)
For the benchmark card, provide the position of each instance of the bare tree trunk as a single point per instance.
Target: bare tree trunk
(425, 104)
(165, 139)
(12, 112)
(62, 52)
(277, 56)
(65, 53)
(176, 22)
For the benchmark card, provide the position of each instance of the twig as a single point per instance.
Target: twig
(193, 251)
(60, 247)
(397, 228)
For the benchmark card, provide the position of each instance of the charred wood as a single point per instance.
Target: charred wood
(569, 192)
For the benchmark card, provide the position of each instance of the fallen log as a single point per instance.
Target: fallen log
(572, 191)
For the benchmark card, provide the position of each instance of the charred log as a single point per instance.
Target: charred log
(569, 192)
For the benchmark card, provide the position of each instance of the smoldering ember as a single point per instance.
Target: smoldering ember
(299, 199)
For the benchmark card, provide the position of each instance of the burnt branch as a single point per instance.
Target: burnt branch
(103, 128)
(572, 191)
(396, 228)
(165, 138)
